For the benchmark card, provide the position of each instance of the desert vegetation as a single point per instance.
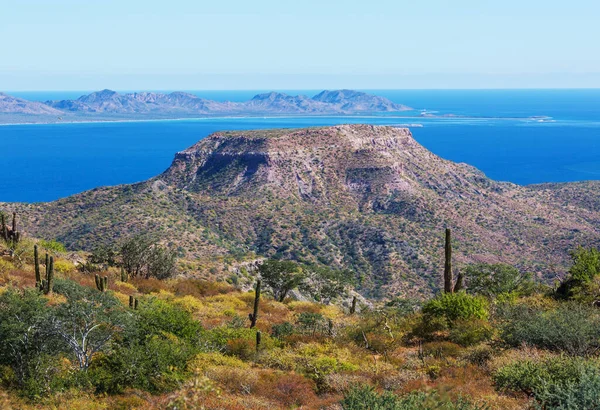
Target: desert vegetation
(119, 328)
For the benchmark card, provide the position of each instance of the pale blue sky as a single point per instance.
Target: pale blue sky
(269, 44)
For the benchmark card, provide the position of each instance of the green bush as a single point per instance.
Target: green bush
(571, 328)
(52, 246)
(455, 307)
(471, 332)
(555, 383)
(494, 279)
(366, 398)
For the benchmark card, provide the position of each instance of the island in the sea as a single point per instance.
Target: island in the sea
(108, 105)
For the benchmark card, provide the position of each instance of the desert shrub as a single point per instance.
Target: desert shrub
(143, 256)
(471, 332)
(63, 266)
(5, 266)
(571, 327)
(495, 279)
(583, 393)
(456, 306)
(441, 350)
(585, 268)
(209, 359)
(291, 390)
(52, 246)
(556, 383)
(365, 397)
(157, 316)
(201, 288)
(311, 323)
(479, 355)
(282, 330)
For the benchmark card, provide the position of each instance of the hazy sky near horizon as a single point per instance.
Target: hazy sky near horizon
(279, 44)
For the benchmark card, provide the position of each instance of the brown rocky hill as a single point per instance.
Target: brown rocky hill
(364, 197)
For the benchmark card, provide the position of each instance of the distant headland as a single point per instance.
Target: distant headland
(108, 105)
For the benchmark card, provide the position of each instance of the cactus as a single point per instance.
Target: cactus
(459, 282)
(330, 327)
(3, 227)
(131, 301)
(353, 307)
(101, 282)
(448, 262)
(258, 340)
(254, 316)
(135, 304)
(9, 235)
(36, 261)
(47, 263)
(49, 283)
(124, 275)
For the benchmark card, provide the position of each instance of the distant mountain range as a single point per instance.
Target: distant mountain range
(108, 104)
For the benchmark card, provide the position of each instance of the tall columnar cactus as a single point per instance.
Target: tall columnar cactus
(124, 275)
(101, 283)
(258, 340)
(49, 277)
(459, 282)
(353, 306)
(448, 263)
(3, 228)
(47, 263)
(254, 316)
(36, 261)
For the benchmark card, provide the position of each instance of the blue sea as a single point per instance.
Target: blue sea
(522, 136)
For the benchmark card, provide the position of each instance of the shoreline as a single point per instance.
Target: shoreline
(537, 119)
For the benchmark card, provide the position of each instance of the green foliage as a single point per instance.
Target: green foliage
(156, 316)
(556, 383)
(471, 332)
(365, 397)
(53, 246)
(23, 334)
(281, 277)
(456, 306)
(143, 256)
(282, 330)
(103, 255)
(571, 327)
(494, 279)
(325, 284)
(585, 269)
(586, 264)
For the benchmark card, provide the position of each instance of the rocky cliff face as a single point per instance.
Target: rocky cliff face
(357, 196)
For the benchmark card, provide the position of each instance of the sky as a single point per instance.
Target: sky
(308, 44)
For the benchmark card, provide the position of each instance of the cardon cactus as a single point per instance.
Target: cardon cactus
(254, 316)
(36, 261)
(49, 284)
(448, 287)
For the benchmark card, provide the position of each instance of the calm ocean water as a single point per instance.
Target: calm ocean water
(500, 137)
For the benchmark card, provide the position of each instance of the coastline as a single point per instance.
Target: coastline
(538, 119)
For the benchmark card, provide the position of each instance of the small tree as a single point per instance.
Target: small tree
(493, 279)
(324, 284)
(281, 277)
(143, 256)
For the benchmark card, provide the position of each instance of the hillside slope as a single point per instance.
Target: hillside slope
(360, 196)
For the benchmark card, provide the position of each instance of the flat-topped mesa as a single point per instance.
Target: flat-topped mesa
(358, 161)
